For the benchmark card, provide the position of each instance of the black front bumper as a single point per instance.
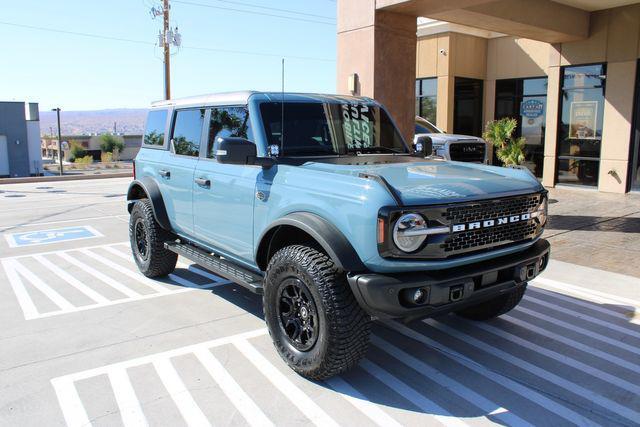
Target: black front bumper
(391, 295)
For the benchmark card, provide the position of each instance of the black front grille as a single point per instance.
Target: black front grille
(474, 226)
(470, 240)
(467, 151)
(492, 209)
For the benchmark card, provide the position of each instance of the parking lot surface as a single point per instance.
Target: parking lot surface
(86, 339)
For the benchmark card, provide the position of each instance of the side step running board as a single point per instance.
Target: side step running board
(218, 265)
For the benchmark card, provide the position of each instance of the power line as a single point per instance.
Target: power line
(143, 42)
(267, 8)
(191, 3)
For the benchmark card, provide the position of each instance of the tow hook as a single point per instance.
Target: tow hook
(456, 293)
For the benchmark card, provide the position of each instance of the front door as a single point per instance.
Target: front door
(180, 164)
(467, 106)
(224, 194)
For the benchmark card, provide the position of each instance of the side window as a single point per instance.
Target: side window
(154, 133)
(228, 121)
(187, 128)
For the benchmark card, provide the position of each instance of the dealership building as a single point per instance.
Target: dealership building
(567, 70)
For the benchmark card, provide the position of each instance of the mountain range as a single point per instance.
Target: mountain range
(128, 121)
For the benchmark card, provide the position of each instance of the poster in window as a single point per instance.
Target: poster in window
(582, 120)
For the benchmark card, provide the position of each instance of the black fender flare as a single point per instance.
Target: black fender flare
(147, 186)
(332, 241)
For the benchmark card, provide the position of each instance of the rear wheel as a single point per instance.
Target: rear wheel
(313, 318)
(147, 241)
(494, 307)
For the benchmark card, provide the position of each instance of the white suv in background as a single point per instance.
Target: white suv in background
(461, 148)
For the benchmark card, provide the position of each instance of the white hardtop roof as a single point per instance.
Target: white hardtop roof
(241, 98)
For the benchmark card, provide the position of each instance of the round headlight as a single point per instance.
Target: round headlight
(406, 232)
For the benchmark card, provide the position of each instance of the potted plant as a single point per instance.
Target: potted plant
(499, 133)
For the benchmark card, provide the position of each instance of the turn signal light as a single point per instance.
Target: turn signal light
(380, 231)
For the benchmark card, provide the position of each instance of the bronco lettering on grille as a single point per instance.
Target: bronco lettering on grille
(488, 223)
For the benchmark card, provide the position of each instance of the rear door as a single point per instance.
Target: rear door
(179, 166)
(224, 194)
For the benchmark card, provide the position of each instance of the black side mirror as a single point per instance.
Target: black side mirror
(422, 146)
(239, 151)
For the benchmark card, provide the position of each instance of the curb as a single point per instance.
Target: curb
(29, 179)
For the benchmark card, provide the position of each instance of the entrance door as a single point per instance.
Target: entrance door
(635, 141)
(467, 107)
(4, 156)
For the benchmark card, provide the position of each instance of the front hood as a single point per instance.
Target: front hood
(419, 182)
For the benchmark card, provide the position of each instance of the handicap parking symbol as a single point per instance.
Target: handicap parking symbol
(55, 235)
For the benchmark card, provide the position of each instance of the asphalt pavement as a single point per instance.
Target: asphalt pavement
(85, 339)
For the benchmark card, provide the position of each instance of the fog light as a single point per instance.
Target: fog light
(419, 296)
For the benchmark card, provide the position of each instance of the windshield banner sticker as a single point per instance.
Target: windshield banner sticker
(358, 131)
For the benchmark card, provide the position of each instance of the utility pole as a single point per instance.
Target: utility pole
(57, 110)
(166, 38)
(167, 50)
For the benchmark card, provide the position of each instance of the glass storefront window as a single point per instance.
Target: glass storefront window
(580, 127)
(467, 106)
(426, 97)
(526, 101)
(634, 174)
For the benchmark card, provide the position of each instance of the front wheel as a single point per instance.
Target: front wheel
(313, 318)
(494, 307)
(147, 242)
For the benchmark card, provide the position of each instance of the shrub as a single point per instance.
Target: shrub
(85, 161)
(110, 143)
(510, 151)
(106, 157)
(76, 150)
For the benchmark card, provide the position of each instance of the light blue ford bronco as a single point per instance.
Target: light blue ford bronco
(317, 203)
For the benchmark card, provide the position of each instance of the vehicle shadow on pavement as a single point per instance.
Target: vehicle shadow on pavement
(555, 359)
(623, 224)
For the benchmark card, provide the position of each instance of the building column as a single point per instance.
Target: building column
(380, 47)
(616, 132)
(551, 131)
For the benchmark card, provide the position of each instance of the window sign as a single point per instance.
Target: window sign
(356, 124)
(531, 108)
(583, 119)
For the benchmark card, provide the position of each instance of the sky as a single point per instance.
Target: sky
(76, 72)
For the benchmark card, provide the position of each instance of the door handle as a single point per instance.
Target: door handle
(164, 173)
(202, 182)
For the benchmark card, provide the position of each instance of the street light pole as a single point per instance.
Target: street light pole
(57, 110)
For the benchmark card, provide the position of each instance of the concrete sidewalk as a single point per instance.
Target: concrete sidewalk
(593, 229)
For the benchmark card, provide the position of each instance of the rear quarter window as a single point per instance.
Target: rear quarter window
(154, 131)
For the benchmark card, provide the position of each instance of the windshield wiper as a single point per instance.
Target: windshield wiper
(367, 150)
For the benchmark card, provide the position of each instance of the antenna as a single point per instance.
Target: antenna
(282, 114)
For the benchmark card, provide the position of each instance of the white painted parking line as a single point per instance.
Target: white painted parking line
(577, 327)
(95, 296)
(448, 383)
(412, 395)
(307, 406)
(72, 408)
(360, 401)
(126, 398)
(561, 358)
(590, 349)
(596, 398)
(50, 279)
(243, 403)
(188, 407)
(528, 394)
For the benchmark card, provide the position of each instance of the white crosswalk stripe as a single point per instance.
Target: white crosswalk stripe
(40, 279)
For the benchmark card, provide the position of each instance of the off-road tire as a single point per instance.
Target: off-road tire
(159, 261)
(494, 307)
(344, 328)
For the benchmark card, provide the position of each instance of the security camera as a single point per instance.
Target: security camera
(443, 52)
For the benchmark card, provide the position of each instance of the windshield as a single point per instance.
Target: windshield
(424, 126)
(329, 129)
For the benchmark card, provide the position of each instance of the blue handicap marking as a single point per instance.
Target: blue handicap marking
(55, 235)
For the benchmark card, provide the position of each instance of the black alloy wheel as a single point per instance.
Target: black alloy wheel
(298, 314)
